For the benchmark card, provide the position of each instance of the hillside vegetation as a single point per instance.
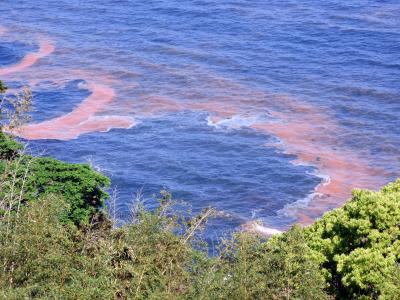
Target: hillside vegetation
(57, 241)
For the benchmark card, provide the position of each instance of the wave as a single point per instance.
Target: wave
(258, 227)
(300, 206)
(235, 122)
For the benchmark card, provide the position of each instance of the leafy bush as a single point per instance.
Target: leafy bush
(33, 177)
(78, 183)
(45, 258)
(153, 258)
(9, 148)
(281, 268)
(359, 244)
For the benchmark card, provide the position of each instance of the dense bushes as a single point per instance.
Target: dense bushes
(9, 148)
(152, 258)
(359, 244)
(32, 177)
(81, 186)
(283, 267)
(45, 258)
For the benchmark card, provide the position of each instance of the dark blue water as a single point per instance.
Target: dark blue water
(232, 171)
(175, 65)
(12, 52)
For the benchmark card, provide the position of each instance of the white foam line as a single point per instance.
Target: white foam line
(258, 227)
(290, 210)
(237, 121)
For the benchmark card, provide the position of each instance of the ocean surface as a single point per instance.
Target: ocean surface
(265, 110)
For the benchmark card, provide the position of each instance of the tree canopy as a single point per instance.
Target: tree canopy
(32, 177)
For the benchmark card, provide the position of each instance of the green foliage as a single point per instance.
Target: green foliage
(78, 183)
(158, 256)
(281, 268)
(359, 244)
(45, 258)
(9, 148)
(153, 259)
(33, 177)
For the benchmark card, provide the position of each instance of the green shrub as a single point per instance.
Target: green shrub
(33, 177)
(359, 244)
(45, 258)
(158, 256)
(9, 148)
(79, 184)
(281, 268)
(153, 258)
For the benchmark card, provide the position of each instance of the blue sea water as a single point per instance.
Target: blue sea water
(342, 58)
